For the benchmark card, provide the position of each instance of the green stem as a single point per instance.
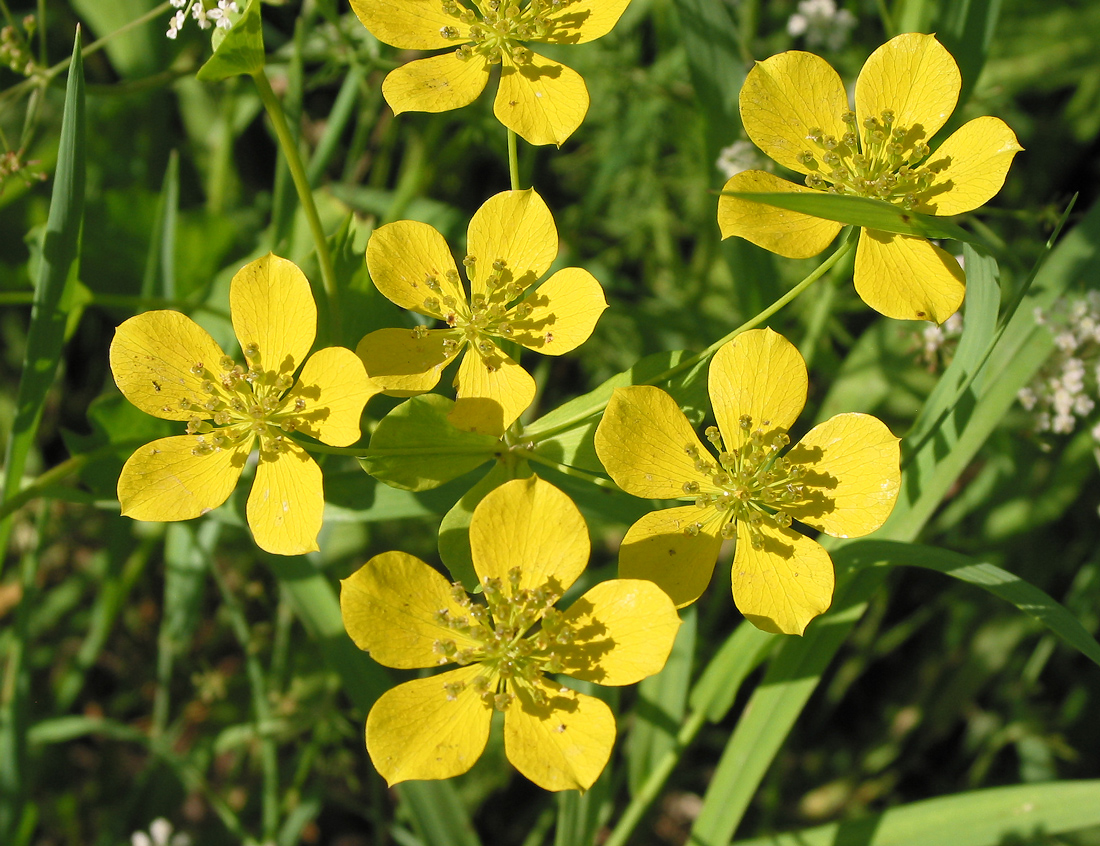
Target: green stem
(56, 474)
(45, 77)
(823, 268)
(884, 13)
(656, 780)
(305, 195)
(513, 160)
(269, 761)
(598, 481)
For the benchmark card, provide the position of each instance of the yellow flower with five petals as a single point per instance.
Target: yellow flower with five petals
(541, 100)
(170, 367)
(529, 544)
(794, 108)
(841, 478)
(512, 241)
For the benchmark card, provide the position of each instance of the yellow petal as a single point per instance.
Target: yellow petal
(409, 24)
(541, 101)
(584, 20)
(529, 524)
(853, 475)
(151, 358)
(786, 96)
(914, 76)
(516, 227)
(402, 256)
(565, 309)
(415, 731)
(334, 387)
(560, 746)
(390, 608)
(492, 392)
(970, 166)
(783, 586)
(164, 481)
(659, 549)
(907, 278)
(273, 310)
(436, 84)
(624, 632)
(402, 363)
(788, 233)
(286, 503)
(760, 375)
(643, 442)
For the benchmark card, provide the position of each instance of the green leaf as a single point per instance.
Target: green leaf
(60, 251)
(454, 529)
(564, 435)
(662, 702)
(979, 818)
(860, 211)
(237, 50)
(1025, 596)
(416, 448)
(438, 813)
(967, 34)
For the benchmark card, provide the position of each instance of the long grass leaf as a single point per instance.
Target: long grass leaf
(1018, 814)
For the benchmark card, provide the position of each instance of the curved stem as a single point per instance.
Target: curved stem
(598, 481)
(691, 361)
(656, 780)
(66, 468)
(305, 195)
(513, 161)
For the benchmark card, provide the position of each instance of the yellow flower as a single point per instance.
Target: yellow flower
(529, 544)
(512, 242)
(841, 478)
(168, 366)
(539, 99)
(794, 108)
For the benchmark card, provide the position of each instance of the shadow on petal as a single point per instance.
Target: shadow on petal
(478, 414)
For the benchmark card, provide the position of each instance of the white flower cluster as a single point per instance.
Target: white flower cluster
(1066, 388)
(160, 834)
(939, 342)
(207, 18)
(740, 156)
(822, 23)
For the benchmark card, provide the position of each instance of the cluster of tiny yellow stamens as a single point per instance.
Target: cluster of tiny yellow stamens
(883, 163)
(242, 402)
(751, 484)
(498, 27)
(485, 315)
(508, 656)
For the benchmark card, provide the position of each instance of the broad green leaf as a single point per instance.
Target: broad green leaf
(238, 50)
(743, 652)
(980, 818)
(861, 211)
(416, 448)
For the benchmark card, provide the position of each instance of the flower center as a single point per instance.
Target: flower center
(753, 483)
(497, 28)
(485, 315)
(882, 162)
(508, 656)
(243, 403)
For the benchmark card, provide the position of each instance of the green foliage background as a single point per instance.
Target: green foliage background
(177, 671)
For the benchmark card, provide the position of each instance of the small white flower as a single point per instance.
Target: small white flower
(160, 834)
(739, 157)
(179, 4)
(822, 24)
(220, 15)
(198, 11)
(175, 24)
